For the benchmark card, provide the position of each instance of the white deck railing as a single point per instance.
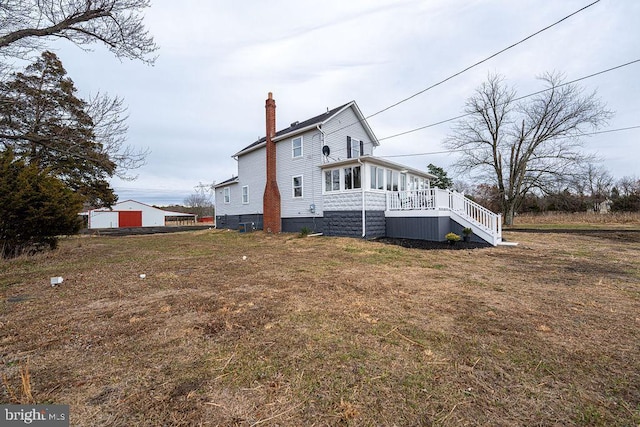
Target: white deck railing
(435, 198)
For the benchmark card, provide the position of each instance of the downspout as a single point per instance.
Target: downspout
(315, 210)
(364, 203)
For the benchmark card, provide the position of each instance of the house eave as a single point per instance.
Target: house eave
(379, 162)
(236, 180)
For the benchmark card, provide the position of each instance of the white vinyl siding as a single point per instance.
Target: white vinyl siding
(307, 166)
(337, 130)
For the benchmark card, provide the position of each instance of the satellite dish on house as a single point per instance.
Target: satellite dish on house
(326, 150)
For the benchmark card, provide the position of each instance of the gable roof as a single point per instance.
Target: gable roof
(298, 127)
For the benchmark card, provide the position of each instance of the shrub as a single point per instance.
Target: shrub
(452, 237)
(305, 231)
(35, 208)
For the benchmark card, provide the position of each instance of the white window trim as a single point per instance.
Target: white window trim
(383, 181)
(245, 202)
(342, 187)
(293, 187)
(226, 195)
(355, 148)
(293, 151)
(343, 178)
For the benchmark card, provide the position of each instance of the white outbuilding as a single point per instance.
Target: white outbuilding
(135, 214)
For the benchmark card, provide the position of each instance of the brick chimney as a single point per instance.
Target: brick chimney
(271, 199)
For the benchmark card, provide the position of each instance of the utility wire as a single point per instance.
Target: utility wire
(515, 99)
(482, 61)
(469, 67)
(467, 149)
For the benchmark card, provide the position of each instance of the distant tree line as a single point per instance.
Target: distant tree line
(622, 195)
(594, 190)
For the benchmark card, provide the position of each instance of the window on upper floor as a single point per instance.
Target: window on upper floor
(227, 195)
(245, 194)
(355, 148)
(296, 147)
(297, 186)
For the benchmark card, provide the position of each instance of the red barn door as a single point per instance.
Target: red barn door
(130, 219)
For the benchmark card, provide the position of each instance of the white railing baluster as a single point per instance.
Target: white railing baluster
(435, 198)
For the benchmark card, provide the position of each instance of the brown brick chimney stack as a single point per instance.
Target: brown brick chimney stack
(271, 199)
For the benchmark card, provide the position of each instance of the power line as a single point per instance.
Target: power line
(515, 99)
(467, 149)
(469, 67)
(482, 61)
(498, 105)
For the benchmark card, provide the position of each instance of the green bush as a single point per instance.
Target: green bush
(305, 231)
(452, 237)
(35, 208)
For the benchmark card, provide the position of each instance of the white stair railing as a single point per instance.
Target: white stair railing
(435, 198)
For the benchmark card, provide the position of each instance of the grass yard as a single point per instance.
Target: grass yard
(578, 221)
(326, 331)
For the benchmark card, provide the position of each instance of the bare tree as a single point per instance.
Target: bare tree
(109, 116)
(525, 145)
(26, 26)
(201, 202)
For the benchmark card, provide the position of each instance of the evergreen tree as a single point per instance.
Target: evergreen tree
(48, 126)
(442, 180)
(35, 208)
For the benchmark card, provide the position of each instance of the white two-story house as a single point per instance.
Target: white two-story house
(326, 177)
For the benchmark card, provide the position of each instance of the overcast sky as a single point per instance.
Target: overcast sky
(203, 100)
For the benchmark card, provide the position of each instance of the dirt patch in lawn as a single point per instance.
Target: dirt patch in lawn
(255, 329)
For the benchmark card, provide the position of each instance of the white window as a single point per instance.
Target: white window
(245, 194)
(389, 179)
(403, 182)
(227, 195)
(355, 148)
(377, 178)
(332, 180)
(296, 147)
(297, 186)
(352, 178)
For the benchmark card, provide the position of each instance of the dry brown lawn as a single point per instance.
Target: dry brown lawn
(327, 331)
